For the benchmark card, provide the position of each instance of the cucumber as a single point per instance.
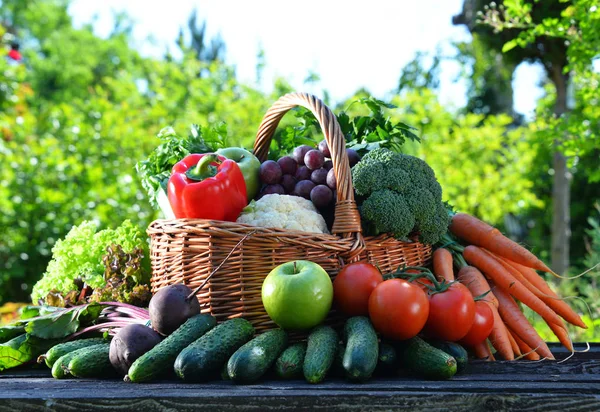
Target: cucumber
(424, 360)
(59, 367)
(453, 349)
(254, 358)
(320, 353)
(92, 362)
(159, 360)
(362, 349)
(61, 349)
(203, 359)
(388, 359)
(289, 363)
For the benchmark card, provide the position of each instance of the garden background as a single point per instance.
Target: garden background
(80, 110)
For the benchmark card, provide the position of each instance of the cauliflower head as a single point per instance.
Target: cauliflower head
(284, 212)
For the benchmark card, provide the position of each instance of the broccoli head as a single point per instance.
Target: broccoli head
(388, 212)
(401, 195)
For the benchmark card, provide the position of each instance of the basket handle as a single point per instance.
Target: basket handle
(347, 218)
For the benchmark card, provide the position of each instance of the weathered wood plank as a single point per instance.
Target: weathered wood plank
(311, 401)
(101, 389)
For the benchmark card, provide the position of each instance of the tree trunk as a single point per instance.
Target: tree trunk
(561, 193)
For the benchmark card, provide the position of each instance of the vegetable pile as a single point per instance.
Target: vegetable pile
(417, 321)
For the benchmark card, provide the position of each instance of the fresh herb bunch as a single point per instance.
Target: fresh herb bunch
(155, 171)
(362, 133)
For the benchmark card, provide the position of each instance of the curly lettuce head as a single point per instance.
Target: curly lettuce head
(79, 255)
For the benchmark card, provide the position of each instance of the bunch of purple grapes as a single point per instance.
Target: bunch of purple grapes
(307, 173)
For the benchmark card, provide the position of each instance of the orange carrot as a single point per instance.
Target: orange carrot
(552, 303)
(559, 330)
(499, 337)
(482, 351)
(513, 343)
(481, 234)
(563, 336)
(517, 322)
(442, 264)
(474, 280)
(548, 296)
(505, 281)
(527, 351)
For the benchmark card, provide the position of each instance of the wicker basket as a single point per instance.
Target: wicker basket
(188, 250)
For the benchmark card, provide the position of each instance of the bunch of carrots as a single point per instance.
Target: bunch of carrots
(505, 272)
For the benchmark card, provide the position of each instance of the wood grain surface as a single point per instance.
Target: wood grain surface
(573, 385)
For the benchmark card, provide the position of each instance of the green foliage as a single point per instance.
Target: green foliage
(399, 193)
(482, 162)
(76, 119)
(574, 26)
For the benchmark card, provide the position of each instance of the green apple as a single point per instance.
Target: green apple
(249, 165)
(297, 295)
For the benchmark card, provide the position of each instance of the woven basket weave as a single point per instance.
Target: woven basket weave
(188, 250)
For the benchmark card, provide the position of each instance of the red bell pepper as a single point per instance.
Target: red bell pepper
(207, 186)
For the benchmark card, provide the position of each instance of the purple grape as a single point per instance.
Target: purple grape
(321, 196)
(319, 176)
(303, 173)
(273, 189)
(353, 156)
(328, 164)
(324, 148)
(313, 159)
(270, 172)
(289, 183)
(288, 165)
(299, 153)
(303, 188)
(331, 181)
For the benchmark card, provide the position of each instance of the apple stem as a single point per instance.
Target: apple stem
(199, 288)
(295, 269)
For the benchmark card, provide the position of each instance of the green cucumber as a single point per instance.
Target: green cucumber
(453, 349)
(251, 361)
(388, 359)
(92, 362)
(59, 367)
(424, 360)
(289, 363)
(320, 353)
(203, 359)
(159, 360)
(362, 349)
(61, 349)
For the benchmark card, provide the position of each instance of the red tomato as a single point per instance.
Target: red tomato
(353, 286)
(482, 325)
(398, 309)
(451, 313)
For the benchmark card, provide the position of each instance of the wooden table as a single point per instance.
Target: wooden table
(573, 385)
